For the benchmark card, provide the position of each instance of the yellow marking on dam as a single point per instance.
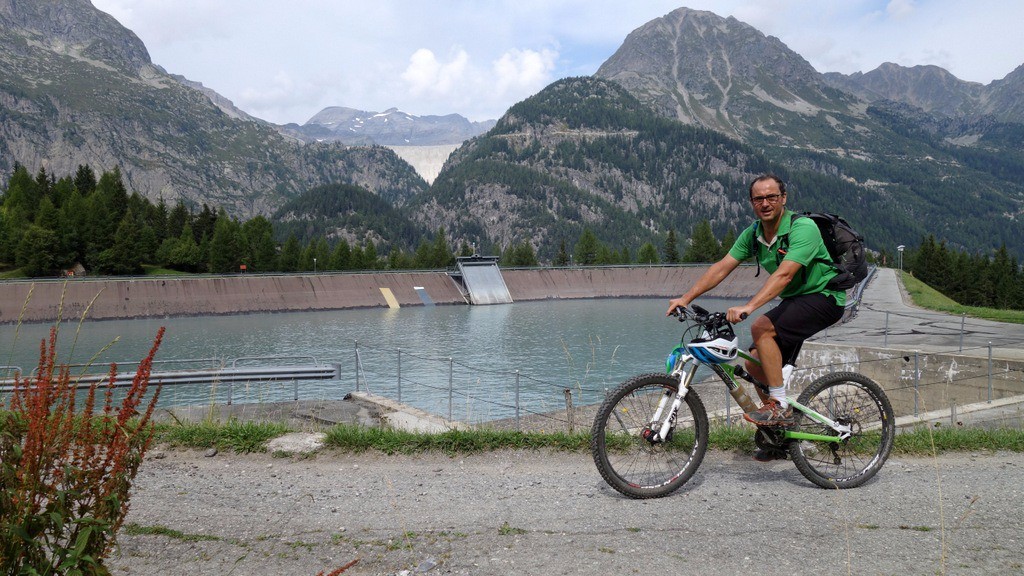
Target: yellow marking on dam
(390, 297)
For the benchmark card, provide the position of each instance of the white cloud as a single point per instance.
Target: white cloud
(425, 75)
(524, 71)
(900, 8)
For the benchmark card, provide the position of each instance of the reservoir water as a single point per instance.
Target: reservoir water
(461, 359)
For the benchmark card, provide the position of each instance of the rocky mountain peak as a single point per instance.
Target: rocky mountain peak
(930, 88)
(719, 73)
(391, 127)
(75, 28)
(1005, 98)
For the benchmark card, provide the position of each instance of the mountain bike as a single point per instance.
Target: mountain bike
(651, 433)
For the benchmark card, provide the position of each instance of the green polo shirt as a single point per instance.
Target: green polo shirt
(805, 247)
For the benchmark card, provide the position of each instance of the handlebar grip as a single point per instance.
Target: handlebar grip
(743, 316)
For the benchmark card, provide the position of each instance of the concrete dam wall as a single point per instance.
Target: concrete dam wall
(114, 298)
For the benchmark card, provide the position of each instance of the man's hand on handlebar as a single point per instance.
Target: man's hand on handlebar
(676, 303)
(738, 314)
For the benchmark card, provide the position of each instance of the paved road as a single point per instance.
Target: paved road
(884, 308)
(545, 513)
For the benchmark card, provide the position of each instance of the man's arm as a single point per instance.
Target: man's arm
(774, 286)
(711, 278)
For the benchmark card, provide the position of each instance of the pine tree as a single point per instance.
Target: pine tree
(606, 256)
(671, 250)
(370, 256)
(424, 257)
(291, 253)
(703, 245)
(341, 255)
(37, 251)
(112, 195)
(178, 218)
(585, 251)
(442, 257)
(727, 242)
(648, 254)
(156, 217)
(124, 255)
(204, 224)
(21, 198)
(562, 259)
(85, 180)
(1004, 277)
(259, 253)
(225, 245)
(357, 259)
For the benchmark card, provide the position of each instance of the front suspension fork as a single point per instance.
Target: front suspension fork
(664, 418)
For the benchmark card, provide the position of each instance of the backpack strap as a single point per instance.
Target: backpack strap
(757, 251)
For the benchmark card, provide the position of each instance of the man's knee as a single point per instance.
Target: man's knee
(762, 328)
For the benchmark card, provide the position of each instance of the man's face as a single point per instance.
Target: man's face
(768, 201)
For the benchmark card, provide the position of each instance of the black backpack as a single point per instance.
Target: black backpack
(844, 244)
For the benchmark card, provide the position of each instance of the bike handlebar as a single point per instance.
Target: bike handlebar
(699, 314)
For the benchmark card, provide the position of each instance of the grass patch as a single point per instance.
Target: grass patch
(506, 530)
(247, 437)
(918, 441)
(358, 438)
(150, 270)
(137, 530)
(925, 296)
(13, 273)
(233, 435)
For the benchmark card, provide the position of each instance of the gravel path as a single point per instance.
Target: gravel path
(543, 512)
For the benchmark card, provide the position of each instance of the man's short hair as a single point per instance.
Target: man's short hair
(768, 176)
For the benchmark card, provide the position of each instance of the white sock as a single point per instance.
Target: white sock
(779, 394)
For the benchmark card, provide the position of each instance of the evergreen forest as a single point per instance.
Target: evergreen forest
(87, 225)
(78, 225)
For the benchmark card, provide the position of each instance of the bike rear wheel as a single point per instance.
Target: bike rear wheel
(634, 465)
(854, 400)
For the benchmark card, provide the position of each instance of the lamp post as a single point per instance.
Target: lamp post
(314, 265)
(899, 260)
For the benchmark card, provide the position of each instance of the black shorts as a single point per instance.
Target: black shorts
(798, 318)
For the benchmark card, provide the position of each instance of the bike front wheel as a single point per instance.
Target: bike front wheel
(853, 400)
(620, 440)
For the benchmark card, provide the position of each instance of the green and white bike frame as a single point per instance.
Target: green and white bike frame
(685, 369)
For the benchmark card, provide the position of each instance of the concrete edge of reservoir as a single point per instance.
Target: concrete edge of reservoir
(157, 297)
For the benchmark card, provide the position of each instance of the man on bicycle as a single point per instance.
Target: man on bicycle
(793, 252)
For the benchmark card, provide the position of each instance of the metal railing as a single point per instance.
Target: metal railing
(301, 368)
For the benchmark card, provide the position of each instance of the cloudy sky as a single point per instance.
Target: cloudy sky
(284, 61)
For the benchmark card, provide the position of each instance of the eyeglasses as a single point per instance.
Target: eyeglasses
(769, 198)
